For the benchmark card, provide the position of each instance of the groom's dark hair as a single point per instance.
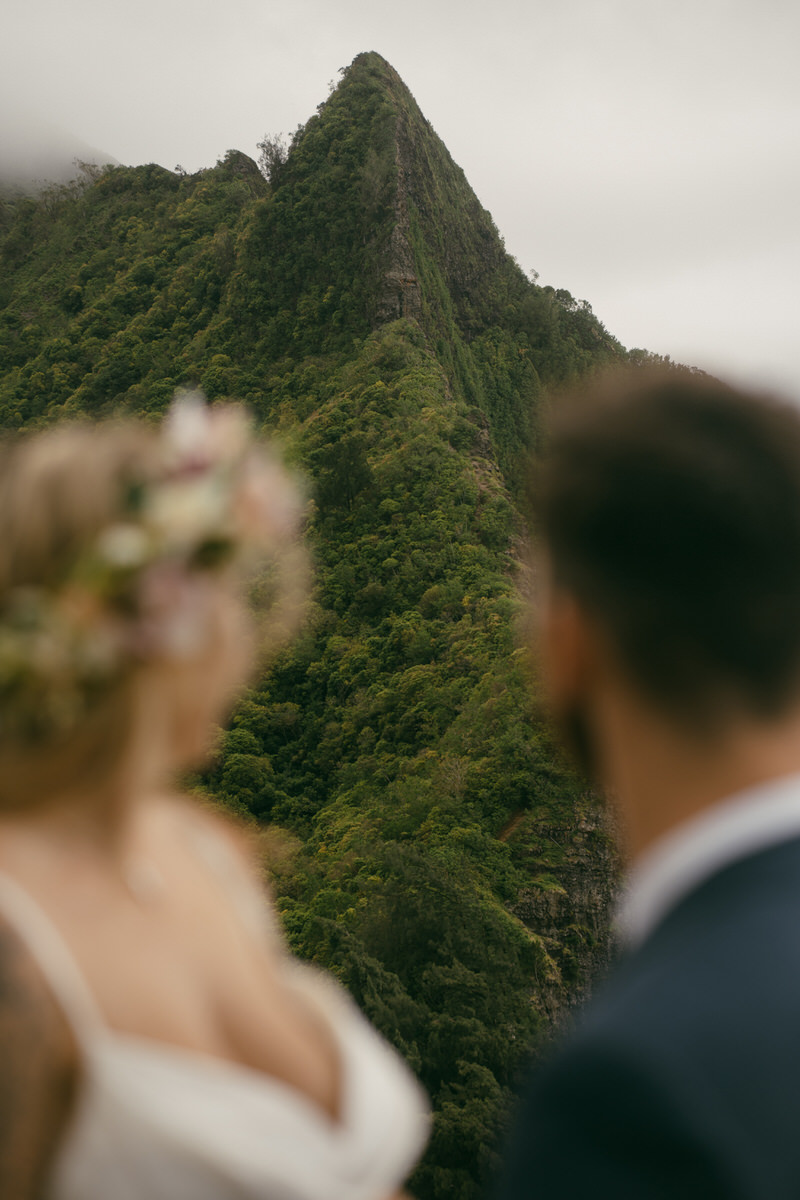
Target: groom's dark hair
(669, 505)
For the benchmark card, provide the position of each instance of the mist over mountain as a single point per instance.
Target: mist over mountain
(436, 852)
(34, 152)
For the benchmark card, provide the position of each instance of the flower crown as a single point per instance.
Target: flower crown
(144, 585)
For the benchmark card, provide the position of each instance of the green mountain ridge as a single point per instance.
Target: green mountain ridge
(434, 851)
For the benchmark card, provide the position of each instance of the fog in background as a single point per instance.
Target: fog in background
(643, 154)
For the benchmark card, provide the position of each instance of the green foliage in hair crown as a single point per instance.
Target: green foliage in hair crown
(143, 586)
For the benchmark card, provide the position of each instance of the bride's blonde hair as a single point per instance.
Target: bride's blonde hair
(116, 542)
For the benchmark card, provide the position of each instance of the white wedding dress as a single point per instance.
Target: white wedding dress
(159, 1122)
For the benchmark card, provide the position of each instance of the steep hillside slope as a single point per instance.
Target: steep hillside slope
(434, 850)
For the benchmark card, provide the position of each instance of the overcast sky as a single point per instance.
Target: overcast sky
(644, 154)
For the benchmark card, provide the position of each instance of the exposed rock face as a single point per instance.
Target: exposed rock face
(400, 294)
(570, 903)
(426, 179)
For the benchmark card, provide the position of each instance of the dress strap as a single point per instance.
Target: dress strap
(52, 955)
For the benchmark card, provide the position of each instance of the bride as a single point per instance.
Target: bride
(156, 1040)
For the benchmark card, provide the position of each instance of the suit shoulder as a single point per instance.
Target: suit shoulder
(727, 950)
(682, 1076)
(601, 1120)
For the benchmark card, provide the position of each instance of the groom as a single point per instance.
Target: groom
(669, 518)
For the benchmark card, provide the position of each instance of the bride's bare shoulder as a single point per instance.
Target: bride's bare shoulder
(239, 857)
(39, 1071)
(200, 812)
(211, 827)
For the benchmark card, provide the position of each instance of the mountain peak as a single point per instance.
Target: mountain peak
(380, 67)
(412, 199)
(367, 221)
(370, 221)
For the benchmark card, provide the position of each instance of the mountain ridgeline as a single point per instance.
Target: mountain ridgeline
(431, 847)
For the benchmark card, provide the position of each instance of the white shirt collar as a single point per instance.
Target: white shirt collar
(682, 859)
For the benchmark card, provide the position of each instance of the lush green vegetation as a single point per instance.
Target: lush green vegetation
(433, 850)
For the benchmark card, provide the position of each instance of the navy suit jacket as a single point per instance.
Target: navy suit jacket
(682, 1079)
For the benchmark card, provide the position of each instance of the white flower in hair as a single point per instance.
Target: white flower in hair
(186, 431)
(124, 545)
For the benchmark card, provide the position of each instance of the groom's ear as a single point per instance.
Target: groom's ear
(568, 646)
